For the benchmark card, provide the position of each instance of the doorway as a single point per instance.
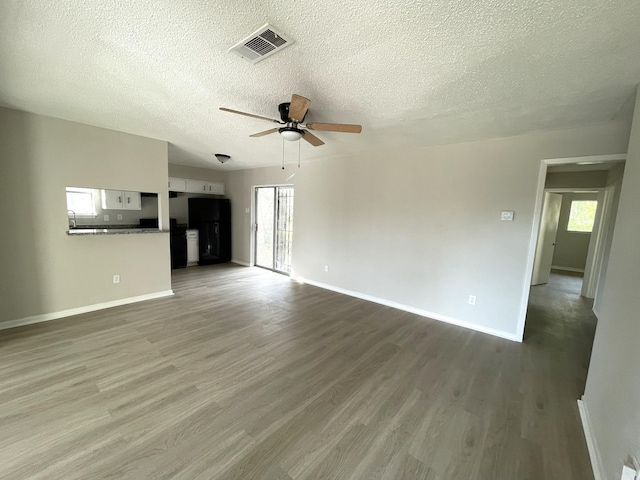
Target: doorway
(610, 169)
(273, 232)
(568, 231)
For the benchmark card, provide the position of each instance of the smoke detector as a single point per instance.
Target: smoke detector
(261, 44)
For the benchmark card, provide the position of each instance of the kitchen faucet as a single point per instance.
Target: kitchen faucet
(72, 221)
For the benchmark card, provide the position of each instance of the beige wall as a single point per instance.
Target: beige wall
(571, 247)
(179, 206)
(422, 227)
(194, 173)
(614, 180)
(612, 394)
(46, 270)
(593, 179)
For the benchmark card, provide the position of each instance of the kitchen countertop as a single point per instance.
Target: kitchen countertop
(113, 231)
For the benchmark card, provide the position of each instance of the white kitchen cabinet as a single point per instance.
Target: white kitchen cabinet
(215, 188)
(121, 200)
(193, 247)
(197, 186)
(177, 184)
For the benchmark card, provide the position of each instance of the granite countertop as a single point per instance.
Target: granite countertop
(113, 231)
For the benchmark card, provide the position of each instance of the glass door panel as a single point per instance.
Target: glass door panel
(265, 216)
(274, 228)
(284, 229)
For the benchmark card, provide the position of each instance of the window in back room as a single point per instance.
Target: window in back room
(582, 216)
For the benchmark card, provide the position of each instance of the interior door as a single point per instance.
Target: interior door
(546, 238)
(274, 228)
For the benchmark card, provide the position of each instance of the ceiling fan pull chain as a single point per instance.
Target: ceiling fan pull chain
(298, 153)
(283, 153)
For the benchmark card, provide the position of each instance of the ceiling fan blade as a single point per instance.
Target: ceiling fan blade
(334, 127)
(312, 139)
(298, 108)
(249, 115)
(266, 132)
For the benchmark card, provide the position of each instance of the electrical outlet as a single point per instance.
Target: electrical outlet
(106, 218)
(119, 216)
(326, 268)
(246, 210)
(472, 299)
(116, 279)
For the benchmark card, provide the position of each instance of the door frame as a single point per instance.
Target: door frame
(589, 279)
(542, 177)
(252, 229)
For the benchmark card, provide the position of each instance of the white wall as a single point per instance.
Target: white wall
(571, 247)
(47, 270)
(422, 227)
(612, 393)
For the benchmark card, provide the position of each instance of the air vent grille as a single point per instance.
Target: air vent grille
(260, 46)
(262, 43)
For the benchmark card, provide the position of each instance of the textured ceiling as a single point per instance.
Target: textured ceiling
(411, 72)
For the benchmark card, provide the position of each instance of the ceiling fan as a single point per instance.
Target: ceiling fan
(292, 116)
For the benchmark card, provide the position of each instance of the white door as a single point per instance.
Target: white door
(546, 238)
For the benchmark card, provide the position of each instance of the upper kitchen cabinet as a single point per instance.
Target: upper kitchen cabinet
(121, 200)
(177, 184)
(195, 186)
(215, 188)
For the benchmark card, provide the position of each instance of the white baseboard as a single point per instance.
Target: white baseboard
(240, 262)
(567, 269)
(45, 317)
(407, 308)
(592, 444)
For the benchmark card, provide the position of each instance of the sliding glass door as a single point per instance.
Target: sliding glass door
(274, 228)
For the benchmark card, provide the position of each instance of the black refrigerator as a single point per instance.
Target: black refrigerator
(212, 218)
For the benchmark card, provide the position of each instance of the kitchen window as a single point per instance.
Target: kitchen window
(582, 216)
(81, 201)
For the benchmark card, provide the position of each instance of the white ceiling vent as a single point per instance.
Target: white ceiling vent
(261, 43)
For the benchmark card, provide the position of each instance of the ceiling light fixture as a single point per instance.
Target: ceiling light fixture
(292, 134)
(222, 157)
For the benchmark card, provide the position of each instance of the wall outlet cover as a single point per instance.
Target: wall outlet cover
(119, 216)
(106, 218)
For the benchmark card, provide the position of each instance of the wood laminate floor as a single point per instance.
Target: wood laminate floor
(244, 374)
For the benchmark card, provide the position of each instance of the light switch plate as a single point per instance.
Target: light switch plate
(507, 215)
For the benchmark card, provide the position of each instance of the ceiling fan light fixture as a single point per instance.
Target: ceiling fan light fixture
(291, 133)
